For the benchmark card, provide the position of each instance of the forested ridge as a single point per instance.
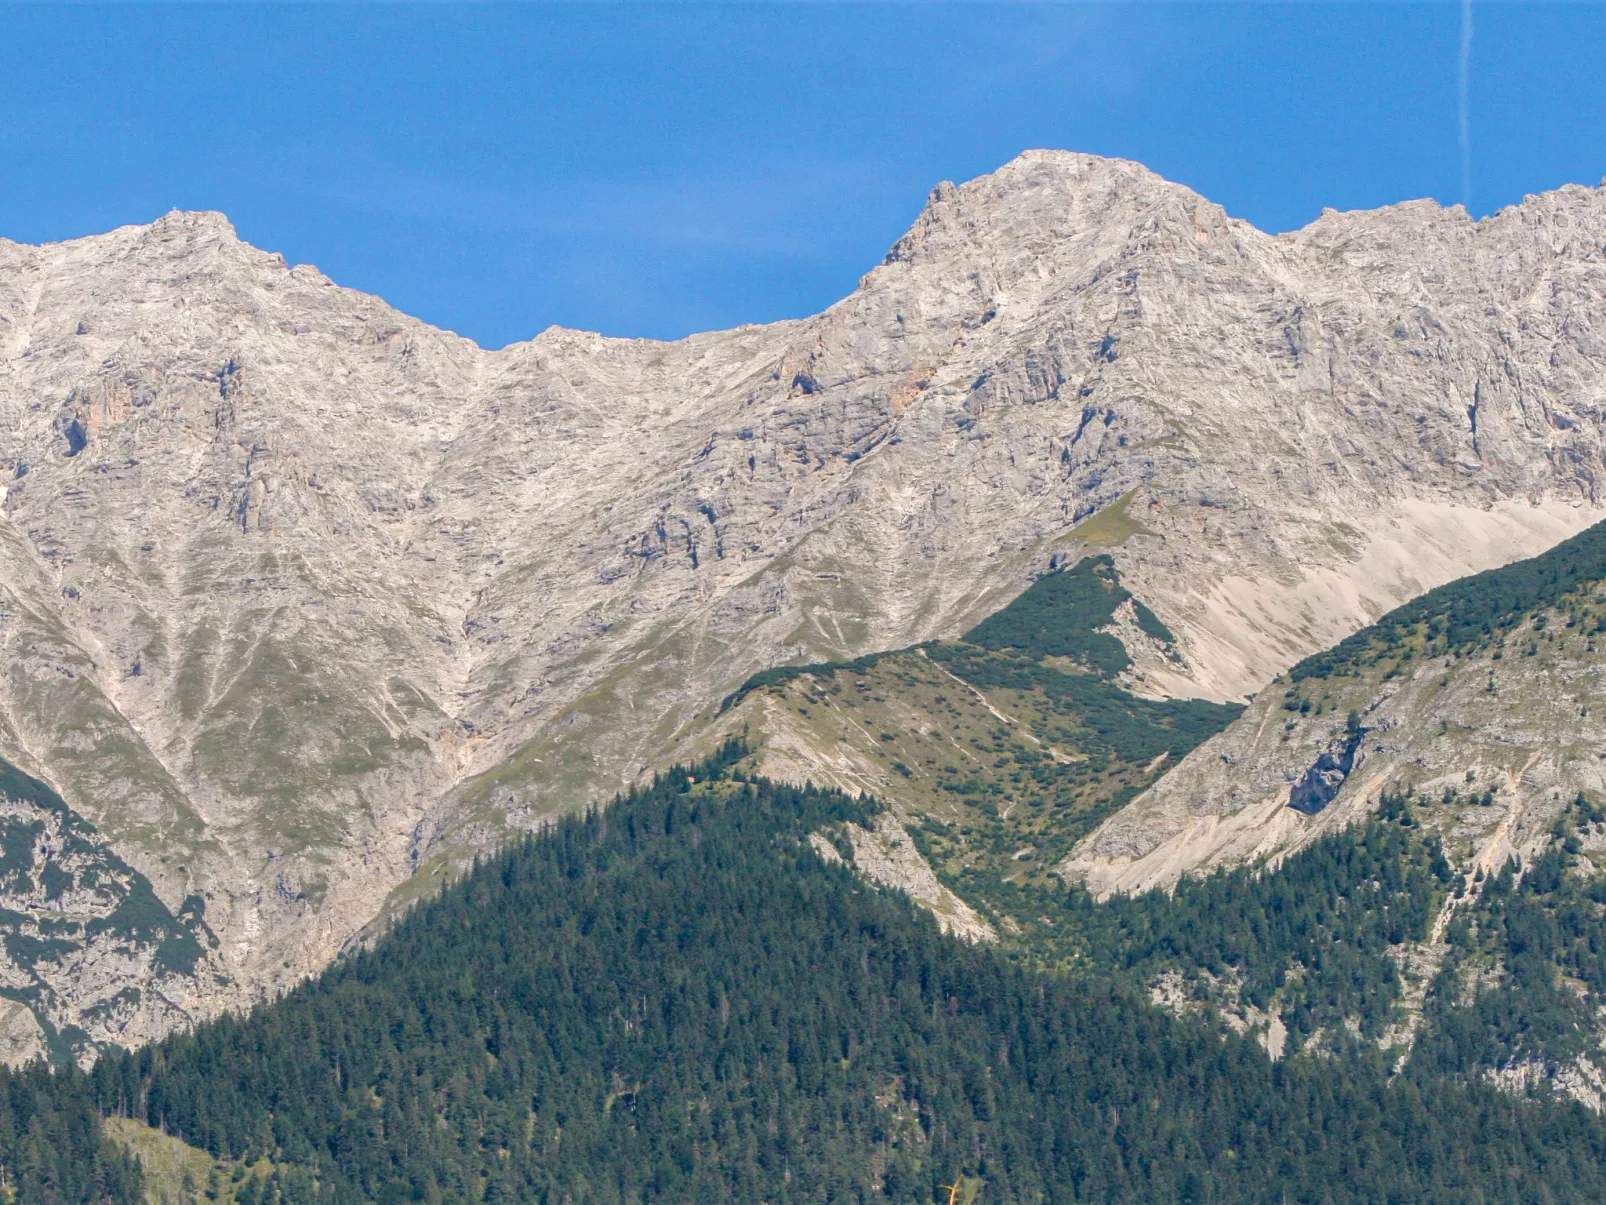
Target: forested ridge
(677, 1000)
(1059, 743)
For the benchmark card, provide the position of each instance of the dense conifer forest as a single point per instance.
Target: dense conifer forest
(1526, 977)
(677, 1000)
(52, 1148)
(1317, 934)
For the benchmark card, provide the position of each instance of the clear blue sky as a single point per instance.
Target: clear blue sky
(661, 169)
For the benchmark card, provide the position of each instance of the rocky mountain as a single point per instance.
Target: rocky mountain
(86, 940)
(303, 601)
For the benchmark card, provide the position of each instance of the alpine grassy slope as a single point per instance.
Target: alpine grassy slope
(678, 999)
(1002, 747)
(1363, 832)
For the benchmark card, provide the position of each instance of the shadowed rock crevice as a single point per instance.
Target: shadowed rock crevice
(1324, 780)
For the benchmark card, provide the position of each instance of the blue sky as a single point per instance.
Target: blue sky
(659, 169)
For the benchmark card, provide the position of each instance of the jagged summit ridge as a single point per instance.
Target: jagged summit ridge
(301, 596)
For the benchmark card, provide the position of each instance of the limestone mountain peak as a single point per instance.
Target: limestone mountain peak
(391, 597)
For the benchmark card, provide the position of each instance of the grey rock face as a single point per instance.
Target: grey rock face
(302, 599)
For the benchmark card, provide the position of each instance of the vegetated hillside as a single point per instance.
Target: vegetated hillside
(1004, 747)
(175, 1173)
(1476, 708)
(303, 602)
(1310, 950)
(1519, 996)
(678, 999)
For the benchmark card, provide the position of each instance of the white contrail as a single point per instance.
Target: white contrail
(1465, 81)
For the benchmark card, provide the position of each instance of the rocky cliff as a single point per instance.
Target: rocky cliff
(302, 600)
